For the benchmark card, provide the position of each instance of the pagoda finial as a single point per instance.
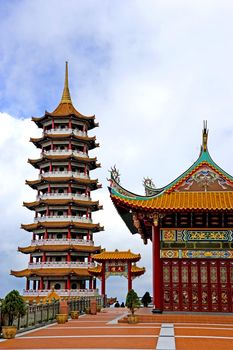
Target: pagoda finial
(66, 92)
(204, 136)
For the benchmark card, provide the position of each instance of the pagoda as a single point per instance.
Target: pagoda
(62, 231)
(190, 224)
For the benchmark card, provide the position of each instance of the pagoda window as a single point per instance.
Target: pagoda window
(60, 190)
(58, 258)
(59, 236)
(74, 286)
(60, 213)
(57, 286)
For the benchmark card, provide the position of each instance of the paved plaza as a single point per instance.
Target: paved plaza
(102, 331)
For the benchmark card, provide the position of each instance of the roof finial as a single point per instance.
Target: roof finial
(204, 136)
(66, 93)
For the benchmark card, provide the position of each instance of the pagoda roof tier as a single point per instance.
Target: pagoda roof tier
(59, 248)
(47, 179)
(60, 224)
(84, 203)
(82, 272)
(116, 255)
(135, 270)
(66, 109)
(73, 114)
(38, 142)
(92, 161)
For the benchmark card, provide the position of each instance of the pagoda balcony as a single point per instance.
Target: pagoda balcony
(63, 218)
(64, 174)
(61, 264)
(59, 131)
(62, 292)
(62, 241)
(64, 152)
(64, 196)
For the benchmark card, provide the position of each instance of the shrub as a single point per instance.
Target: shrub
(13, 306)
(132, 301)
(146, 299)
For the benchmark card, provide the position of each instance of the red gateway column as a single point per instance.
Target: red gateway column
(157, 280)
(129, 276)
(103, 279)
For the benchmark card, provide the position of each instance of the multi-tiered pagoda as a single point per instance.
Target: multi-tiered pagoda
(62, 232)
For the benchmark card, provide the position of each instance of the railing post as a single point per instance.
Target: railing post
(34, 311)
(27, 314)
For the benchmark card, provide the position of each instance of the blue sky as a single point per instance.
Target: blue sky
(151, 71)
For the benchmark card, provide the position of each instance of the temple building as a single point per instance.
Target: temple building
(190, 224)
(62, 231)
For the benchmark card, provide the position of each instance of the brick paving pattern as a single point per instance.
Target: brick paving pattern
(161, 332)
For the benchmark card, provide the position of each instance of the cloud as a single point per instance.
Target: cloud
(150, 71)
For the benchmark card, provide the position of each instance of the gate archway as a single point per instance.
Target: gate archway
(116, 263)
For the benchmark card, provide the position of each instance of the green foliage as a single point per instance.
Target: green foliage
(146, 299)
(13, 306)
(132, 301)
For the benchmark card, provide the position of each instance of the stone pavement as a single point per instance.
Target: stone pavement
(102, 331)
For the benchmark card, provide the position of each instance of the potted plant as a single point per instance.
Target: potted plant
(61, 318)
(146, 299)
(74, 315)
(13, 306)
(132, 302)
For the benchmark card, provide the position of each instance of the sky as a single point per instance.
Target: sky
(151, 72)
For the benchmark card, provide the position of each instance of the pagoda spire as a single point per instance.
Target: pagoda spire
(204, 136)
(66, 92)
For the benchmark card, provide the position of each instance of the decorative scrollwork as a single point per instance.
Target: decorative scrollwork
(149, 186)
(115, 175)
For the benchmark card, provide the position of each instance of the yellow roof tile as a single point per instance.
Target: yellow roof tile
(181, 200)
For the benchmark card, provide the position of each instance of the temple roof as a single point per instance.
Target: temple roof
(66, 108)
(51, 272)
(59, 248)
(116, 255)
(204, 186)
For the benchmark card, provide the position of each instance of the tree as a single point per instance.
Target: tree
(13, 306)
(146, 299)
(132, 301)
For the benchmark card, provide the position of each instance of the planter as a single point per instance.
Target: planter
(74, 315)
(88, 310)
(98, 308)
(133, 319)
(9, 332)
(61, 318)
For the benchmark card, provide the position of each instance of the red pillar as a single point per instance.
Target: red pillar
(68, 282)
(103, 279)
(69, 234)
(41, 283)
(157, 270)
(91, 283)
(68, 257)
(129, 275)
